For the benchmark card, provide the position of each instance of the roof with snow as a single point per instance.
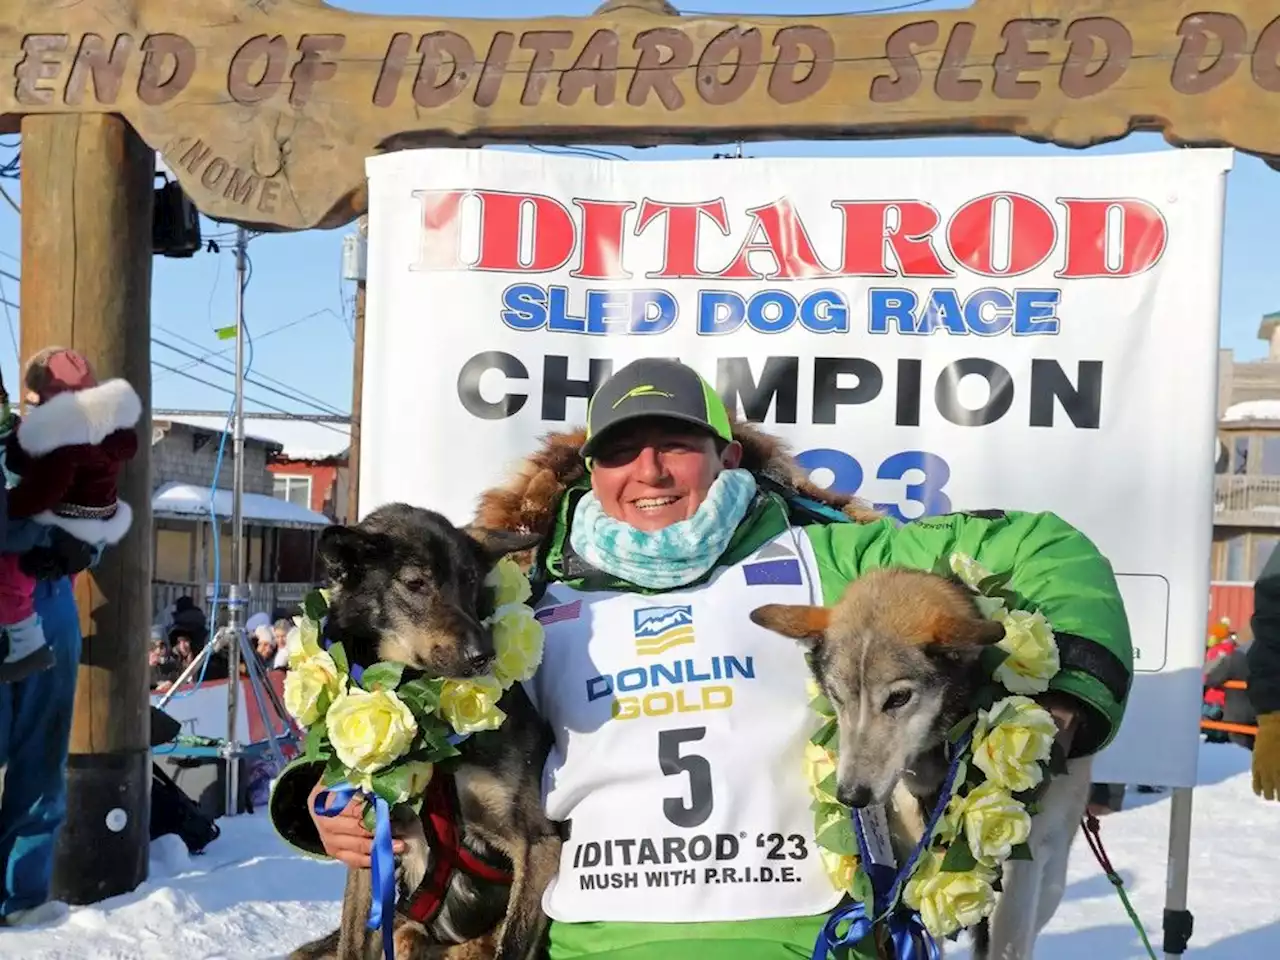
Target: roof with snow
(1252, 410)
(185, 501)
(298, 439)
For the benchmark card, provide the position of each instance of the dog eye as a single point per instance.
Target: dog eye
(897, 700)
(416, 584)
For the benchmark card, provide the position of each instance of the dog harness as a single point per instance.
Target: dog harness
(441, 820)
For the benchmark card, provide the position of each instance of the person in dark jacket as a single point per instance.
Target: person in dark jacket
(1264, 679)
(1236, 706)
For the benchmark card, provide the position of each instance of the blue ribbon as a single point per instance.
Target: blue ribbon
(909, 936)
(382, 910)
(911, 941)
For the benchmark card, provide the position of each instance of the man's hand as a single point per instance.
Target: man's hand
(343, 836)
(1266, 757)
(1066, 714)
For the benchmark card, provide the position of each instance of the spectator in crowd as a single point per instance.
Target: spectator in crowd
(281, 631)
(35, 733)
(1228, 665)
(1264, 679)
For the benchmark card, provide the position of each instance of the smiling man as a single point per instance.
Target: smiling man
(680, 726)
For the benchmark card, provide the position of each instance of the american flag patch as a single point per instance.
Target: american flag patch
(565, 611)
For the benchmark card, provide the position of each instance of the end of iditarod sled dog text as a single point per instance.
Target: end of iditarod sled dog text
(898, 657)
(407, 588)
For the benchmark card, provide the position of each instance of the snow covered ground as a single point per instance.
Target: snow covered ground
(249, 897)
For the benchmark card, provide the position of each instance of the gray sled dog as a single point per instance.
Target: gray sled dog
(898, 658)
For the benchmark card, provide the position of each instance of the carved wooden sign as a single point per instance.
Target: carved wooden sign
(266, 109)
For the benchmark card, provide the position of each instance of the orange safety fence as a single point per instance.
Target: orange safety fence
(1224, 727)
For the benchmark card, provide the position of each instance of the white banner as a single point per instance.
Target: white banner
(937, 334)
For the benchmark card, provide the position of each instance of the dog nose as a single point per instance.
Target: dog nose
(856, 797)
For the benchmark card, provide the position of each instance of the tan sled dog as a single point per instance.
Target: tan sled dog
(898, 657)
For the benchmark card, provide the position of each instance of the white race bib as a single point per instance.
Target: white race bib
(679, 757)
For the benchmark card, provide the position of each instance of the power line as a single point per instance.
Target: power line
(296, 397)
(223, 351)
(257, 415)
(309, 398)
(214, 386)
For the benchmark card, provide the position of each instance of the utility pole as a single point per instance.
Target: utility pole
(235, 598)
(87, 195)
(354, 268)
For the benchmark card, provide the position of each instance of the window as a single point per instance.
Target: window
(1236, 572)
(1270, 455)
(1262, 547)
(295, 490)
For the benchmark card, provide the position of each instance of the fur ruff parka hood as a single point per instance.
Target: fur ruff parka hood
(529, 500)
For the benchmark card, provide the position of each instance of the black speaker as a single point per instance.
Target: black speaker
(175, 223)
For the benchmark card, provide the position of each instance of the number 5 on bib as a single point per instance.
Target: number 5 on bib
(700, 803)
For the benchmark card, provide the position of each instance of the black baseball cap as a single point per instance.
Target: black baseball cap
(654, 387)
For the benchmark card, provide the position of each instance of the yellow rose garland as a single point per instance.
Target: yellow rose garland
(1007, 756)
(384, 734)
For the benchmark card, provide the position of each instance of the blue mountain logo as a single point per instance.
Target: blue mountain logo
(658, 629)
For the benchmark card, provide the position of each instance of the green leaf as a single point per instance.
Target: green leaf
(837, 836)
(987, 696)
(335, 771)
(961, 728)
(382, 676)
(822, 706)
(369, 819)
(827, 735)
(997, 581)
(991, 658)
(441, 751)
(828, 785)
(828, 810)
(995, 719)
(862, 890)
(392, 784)
(314, 607)
(339, 654)
(421, 696)
(317, 733)
(1021, 852)
(959, 858)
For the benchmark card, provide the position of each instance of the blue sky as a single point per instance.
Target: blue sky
(299, 310)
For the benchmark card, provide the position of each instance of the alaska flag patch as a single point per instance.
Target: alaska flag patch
(773, 572)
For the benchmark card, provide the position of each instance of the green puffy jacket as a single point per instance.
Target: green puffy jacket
(1053, 566)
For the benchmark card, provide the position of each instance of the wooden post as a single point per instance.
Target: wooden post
(357, 391)
(87, 189)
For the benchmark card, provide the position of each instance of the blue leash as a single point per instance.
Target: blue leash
(910, 938)
(383, 865)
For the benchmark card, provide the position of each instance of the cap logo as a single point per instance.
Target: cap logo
(643, 390)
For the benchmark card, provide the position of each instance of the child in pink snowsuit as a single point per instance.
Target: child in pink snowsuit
(68, 452)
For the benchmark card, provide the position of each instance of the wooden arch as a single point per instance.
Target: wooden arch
(267, 109)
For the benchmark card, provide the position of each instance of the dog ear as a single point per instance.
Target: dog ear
(797, 621)
(496, 544)
(343, 551)
(964, 634)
